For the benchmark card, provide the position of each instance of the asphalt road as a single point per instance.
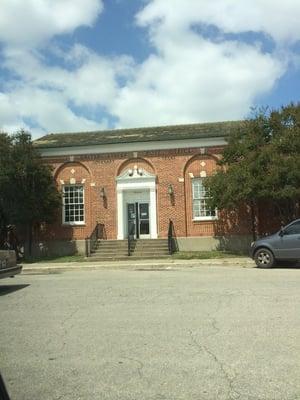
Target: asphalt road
(202, 333)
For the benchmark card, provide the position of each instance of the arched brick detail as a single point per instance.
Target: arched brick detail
(207, 158)
(79, 174)
(71, 164)
(194, 169)
(139, 162)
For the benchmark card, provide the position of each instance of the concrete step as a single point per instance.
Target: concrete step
(111, 248)
(139, 241)
(109, 254)
(141, 246)
(149, 252)
(93, 259)
(133, 257)
(134, 244)
(152, 241)
(153, 251)
(151, 244)
(112, 242)
(134, 251)
(146, 248)
(128, 258)
(107, 250)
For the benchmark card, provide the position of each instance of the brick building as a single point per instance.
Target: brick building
(141, 177)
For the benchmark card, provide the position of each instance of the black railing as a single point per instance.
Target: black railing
(131, 231)
(91, 241)
(172, 241)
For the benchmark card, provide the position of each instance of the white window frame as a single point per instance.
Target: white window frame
(205, 197)
(64, 209)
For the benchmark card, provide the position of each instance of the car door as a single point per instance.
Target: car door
(290, 241)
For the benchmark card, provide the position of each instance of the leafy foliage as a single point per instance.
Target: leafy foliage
(28, 194)
(261, 164)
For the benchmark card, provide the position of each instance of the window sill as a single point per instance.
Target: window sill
(203, 219)
(79, 224)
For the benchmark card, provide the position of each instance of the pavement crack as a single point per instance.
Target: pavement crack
(70, 316)
(215, 326)
(65, 329)
(140, 368)
(61, 335)
(232, 393)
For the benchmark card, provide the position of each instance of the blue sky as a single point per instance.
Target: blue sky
(78, 65)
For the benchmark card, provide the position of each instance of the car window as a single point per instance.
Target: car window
(293, 229)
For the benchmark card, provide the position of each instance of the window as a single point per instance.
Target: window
(73, 204)
(201, 211)
(293, 229)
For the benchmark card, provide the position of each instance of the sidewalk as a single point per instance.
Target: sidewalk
(241, 262)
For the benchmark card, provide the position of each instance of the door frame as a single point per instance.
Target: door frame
(131, 182)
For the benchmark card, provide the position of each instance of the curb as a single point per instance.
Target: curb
(48, 268)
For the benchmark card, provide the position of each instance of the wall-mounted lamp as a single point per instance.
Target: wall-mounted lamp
(170, 190)
(102, 193)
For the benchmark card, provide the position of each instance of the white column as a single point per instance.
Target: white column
(153, 218)
(120, 214)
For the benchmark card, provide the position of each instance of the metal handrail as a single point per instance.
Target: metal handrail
(91, 241)
(130, 238)
(172, 241)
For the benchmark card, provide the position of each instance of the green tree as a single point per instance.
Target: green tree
(261, 165)
(28, 195)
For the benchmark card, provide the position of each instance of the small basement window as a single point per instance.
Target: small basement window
(73, 205)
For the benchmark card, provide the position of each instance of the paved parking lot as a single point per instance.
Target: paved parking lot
(200, 333)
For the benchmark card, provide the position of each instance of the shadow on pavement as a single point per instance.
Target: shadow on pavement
(3, 392)
(6, 289)
(287, 264)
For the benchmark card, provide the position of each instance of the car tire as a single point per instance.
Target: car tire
(264, 258)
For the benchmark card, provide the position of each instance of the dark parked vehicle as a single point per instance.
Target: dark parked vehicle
(8, 264)
(282, 246)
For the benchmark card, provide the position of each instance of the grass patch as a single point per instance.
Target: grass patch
(63, 259)
(205, 255)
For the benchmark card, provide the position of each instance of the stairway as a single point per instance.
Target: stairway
(113, 250)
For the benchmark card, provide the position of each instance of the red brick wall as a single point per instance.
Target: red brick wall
(172, 167)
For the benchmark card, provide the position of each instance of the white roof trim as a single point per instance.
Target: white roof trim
(136, 146)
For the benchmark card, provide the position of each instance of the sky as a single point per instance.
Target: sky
(80, 65)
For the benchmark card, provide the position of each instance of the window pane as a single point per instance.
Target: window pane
(200, 196)
(73, 203)
(294, 229)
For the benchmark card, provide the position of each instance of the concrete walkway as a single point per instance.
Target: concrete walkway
(242, 262)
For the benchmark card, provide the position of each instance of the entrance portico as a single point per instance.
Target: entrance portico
(136, 203)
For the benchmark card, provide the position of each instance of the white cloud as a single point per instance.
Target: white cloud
(187, 78)
(91, 82)
(278, 19)
(48, 109)
(31, 22)
(40, 93)
(194, 80)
